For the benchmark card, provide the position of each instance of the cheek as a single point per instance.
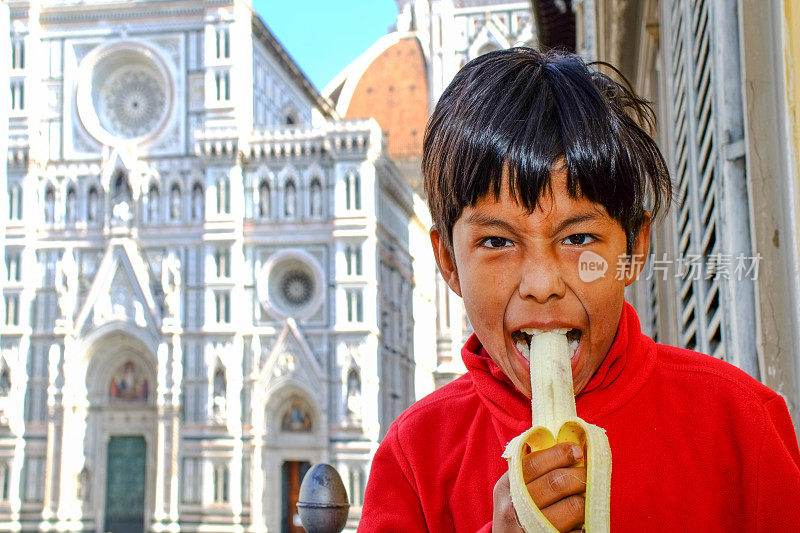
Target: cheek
(485, 303)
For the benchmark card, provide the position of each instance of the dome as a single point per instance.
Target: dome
(389, 83)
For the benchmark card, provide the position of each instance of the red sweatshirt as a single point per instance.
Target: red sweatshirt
(697, 445)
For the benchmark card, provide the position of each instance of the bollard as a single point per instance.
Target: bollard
(322, 502)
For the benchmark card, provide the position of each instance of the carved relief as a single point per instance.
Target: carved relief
(285, 365)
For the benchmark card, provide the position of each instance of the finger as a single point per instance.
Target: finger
(556, 485)
(538, 463)
(504, 517)
(566, 514)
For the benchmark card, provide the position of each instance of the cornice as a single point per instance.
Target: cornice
(55, 14)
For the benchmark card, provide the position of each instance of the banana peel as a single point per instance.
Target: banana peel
(555, 420)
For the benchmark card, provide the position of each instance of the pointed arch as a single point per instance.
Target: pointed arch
(198, 202)
(121, 191)
(94, 204)
(71, 204)
(175, 202)
(264, 199)
(49, 206)
(315, 207)
(153, 203)
(290, 198)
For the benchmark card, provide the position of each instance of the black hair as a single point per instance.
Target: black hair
(521, 110)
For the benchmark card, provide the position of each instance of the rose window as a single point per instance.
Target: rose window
(290, 284)
(125, 93)
(296, 287)
(133, 102)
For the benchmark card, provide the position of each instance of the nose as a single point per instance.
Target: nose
(541, 278)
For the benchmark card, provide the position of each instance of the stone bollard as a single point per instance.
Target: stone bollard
(322, 502)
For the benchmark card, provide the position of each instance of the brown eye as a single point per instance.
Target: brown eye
(579, 239)
(496, 242)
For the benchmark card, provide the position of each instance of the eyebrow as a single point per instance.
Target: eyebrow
(483, 219)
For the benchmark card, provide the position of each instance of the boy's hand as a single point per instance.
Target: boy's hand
(556, 486)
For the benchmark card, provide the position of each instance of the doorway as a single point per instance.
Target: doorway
(125, 484)
(292, 474)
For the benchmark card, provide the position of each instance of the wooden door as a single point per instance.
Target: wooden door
(292, 475)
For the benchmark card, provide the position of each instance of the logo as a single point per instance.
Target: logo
(591, 266)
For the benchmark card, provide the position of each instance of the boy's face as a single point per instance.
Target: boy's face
(516, 269)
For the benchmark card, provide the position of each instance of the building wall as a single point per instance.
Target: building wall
(714, 81)
(200, 255)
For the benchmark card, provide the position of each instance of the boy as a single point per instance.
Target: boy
(534, 163)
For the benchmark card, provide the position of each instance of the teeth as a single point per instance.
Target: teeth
(524, 345)
(524, 349)
(573, 347)
(533, 331)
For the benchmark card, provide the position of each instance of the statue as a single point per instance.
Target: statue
(219, 397)
(171, 283)
(291, 200)
(316, 199)
(66, 283)
(263, 200)
(175, 202)
(5, 382)
(82, 491)
(353, 395)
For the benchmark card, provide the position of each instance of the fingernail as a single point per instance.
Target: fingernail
(577, 453)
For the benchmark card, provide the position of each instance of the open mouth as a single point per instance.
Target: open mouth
(522, 339)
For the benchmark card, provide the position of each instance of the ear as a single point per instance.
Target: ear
(639, 253)
(445, 261)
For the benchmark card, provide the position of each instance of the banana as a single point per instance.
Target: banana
(556, 420)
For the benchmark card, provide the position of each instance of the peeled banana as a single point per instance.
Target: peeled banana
(555, 420)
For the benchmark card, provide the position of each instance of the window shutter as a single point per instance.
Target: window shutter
(714, 302)
(694, 158)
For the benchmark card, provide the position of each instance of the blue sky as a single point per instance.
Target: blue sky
(324, 36)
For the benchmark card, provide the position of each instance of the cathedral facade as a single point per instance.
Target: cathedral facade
(207, 282)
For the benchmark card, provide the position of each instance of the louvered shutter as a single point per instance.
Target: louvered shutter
(715, 313)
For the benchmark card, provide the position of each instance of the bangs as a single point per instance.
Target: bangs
(523, 112)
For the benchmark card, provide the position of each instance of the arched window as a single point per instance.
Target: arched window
(352, 191)
(70, 210)
(152, 203)
(290, 200)
(198, 201)
(264, 199)
(175, 202)
(315, 198)
(15, 203)
(93, 205)
(49, 204)
(223, 196)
